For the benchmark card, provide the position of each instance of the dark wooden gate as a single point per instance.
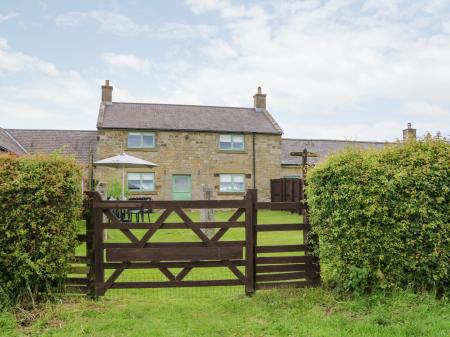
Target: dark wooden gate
(286, 265)
(286, 189)
(239, 257)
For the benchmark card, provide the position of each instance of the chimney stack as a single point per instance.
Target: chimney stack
(259, 100)
(107, 93)
(409, 133)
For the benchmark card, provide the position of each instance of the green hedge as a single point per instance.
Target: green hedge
(382, 217)
(40, 202)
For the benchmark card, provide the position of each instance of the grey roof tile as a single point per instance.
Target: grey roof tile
(322, 147)
(69, 142)
(186, 117)
(9, 144)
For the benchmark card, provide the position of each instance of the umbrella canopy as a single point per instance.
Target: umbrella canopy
(124, 160)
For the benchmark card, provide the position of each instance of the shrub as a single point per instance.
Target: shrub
(40, 202)
(382, 217)
(114, 190)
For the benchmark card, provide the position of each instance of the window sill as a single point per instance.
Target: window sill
(143, 192)
(142, 149)
(230, 193)
(232, 151)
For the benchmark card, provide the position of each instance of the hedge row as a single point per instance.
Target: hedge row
(40, 202)
(383, 217)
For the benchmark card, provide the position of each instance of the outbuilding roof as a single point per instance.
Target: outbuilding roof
(9, 144)
(322, 147)
(151, 116)
(70, 142)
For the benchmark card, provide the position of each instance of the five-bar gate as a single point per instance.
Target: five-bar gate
(251, 265)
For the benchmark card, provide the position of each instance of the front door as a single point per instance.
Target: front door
(181, 187)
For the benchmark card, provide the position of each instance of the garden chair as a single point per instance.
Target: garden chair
(140, 213)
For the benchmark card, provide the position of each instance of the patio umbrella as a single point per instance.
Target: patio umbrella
(124, 160)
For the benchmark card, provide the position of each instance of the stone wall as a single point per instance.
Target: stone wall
(197, 154)
(268, 163)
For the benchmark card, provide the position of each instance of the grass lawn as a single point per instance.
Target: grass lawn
(302, 312)
(226, 311)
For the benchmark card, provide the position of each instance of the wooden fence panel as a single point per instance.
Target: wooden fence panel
(286, 271)
(286, 190)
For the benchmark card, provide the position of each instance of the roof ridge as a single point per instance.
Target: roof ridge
(193, 105)
(272, 120)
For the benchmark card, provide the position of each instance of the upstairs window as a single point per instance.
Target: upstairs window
(231, 142)
(141, 140)
(232, 183)
(141, 182)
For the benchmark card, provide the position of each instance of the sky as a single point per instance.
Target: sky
(337, 69)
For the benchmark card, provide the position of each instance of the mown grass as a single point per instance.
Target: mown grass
(289, 312)
(226, 311)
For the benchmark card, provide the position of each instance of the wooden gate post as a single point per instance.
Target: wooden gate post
(97, 246)
(88, 217)
(250, 240)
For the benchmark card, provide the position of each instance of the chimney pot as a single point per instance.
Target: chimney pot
(259, 100)
(107, 92)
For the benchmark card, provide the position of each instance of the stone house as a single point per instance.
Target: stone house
(227, 148)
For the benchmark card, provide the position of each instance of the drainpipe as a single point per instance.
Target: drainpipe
(254, 160)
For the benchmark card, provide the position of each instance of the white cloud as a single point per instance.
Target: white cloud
(173, 30)
(107, 21)
(201, 6)
(45, 96)
(126, 61)
(421, 108)
(11, 62)
(123, 25)
(225, 8)
(317, 60)
(385, 131)
(219, 50)
(3, 43)
(10, 16)
(71, 19)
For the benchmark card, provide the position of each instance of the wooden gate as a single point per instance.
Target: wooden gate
(288, 265)
(239, 257)
(286, 189)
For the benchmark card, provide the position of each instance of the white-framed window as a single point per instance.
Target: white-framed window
(141, 140)
(141, 181)
(232, 182)
(231, 142)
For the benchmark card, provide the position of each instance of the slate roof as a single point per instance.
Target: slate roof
(70, 142)
(9, 144)
(322, 147)
(118, 115)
